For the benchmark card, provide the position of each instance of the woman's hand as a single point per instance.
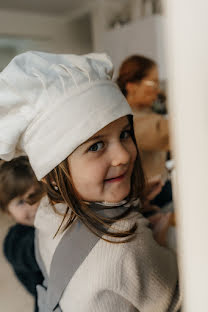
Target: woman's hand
(160, 224)
(153, 188)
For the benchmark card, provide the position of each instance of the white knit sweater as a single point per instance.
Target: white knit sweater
(136, 276)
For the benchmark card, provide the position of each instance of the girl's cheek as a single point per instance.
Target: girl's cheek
(96, 174)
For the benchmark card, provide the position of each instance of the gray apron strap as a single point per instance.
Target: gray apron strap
(71, 251)
(67, 259)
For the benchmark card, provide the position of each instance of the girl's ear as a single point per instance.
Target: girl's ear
(43, 180)
(52, 182)
(54, 185)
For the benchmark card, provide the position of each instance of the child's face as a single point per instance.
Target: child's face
(21, 211)
(101, 168)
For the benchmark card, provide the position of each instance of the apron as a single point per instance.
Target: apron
(63, 266)
(65, 262)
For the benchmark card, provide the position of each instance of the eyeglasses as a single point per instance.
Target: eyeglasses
(152, 83)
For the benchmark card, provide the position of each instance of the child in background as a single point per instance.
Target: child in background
(76, 128)
(20, 195)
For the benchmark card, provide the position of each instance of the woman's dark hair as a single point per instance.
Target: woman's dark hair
(16, 178)
(134, 68)
(66, 193)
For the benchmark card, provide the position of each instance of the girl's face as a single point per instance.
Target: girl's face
(101, 168)
(21, 211)
(144, 92)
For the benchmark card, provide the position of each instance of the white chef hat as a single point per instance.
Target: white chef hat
(50, 104)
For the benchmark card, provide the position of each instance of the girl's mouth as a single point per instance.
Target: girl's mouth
(116, 179)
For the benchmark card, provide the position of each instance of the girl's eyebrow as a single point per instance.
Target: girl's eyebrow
(99, 137)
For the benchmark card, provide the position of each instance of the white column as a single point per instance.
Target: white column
(187, 62)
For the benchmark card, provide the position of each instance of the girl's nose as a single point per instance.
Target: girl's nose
(120, 155)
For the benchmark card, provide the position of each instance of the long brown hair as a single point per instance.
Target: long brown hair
(134, 68)
(65, 192)
(16, 178)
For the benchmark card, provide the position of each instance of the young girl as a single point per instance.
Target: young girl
(75, 125)
(20, 194)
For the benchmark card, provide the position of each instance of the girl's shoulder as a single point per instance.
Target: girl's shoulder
(134, 249)
(47, 220)
(142, 253)
(135, 270)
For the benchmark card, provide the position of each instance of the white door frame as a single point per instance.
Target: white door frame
(187, 64)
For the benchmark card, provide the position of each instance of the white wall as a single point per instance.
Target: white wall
(144, 36)
(140, 37)
(26, 31)
(187, 74)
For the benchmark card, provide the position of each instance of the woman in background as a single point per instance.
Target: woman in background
(139, 82)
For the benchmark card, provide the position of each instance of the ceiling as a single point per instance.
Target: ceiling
(49, 7)
(55, 7)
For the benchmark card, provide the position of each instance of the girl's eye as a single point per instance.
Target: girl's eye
(21, 202)
(96, 147)
(125, 134)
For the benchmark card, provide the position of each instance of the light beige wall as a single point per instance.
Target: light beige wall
(142, 36)
(26, 31)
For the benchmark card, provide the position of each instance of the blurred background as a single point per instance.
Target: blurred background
(118, 27)
(171, 30)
